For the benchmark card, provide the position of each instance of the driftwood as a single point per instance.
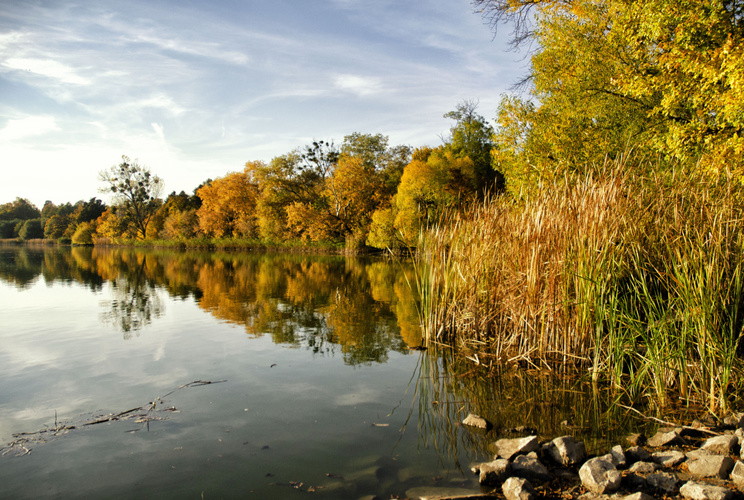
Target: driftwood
(143, 414)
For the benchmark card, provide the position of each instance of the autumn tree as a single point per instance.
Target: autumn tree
(663, 77)
(135, 193)
(228, 206)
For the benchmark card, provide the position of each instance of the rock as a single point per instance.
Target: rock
(531, 469)
(638, 496)
(702, 491)
(643, 468)
(635, 439)
(668, 458)
(737, 475)
(637, 454)
(495, 472)
(634, 482)
(599, 475)
(509, 448)
(618, 456)
(663, 481)
(669, 438)
(516, 488)
(711, 466)
(721, 445)
(565, 450)
(477, 421)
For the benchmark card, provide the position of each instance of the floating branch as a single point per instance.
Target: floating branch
(18, 447)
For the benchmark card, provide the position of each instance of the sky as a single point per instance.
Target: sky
(195, 89)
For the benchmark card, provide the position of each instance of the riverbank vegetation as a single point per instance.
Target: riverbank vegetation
(618, 248)
(597, 227)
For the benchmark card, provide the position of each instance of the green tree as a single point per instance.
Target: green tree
(135, 193)
(21, 209)
(31, 229)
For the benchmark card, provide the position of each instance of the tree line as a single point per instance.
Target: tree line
(364, 192)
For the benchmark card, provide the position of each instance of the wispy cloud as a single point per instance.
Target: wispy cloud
(28, 127)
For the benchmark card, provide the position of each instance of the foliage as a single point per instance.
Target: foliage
(135, 193)
(20, 209)
(84, 233)
(228, 206)
(661, 77)
(31, 230)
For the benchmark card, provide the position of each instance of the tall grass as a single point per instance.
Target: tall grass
(636, 279)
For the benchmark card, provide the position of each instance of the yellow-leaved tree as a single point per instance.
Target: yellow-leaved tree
(228, 206)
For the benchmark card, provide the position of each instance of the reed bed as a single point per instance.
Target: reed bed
(635, 279)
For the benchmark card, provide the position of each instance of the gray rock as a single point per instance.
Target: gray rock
(638, 496)
(737, 475)
(663, 481)
(618, 456)
(644, 468)
(669, 438)
(637, 454)
(509, 448)
(669, 458)
(495, 472)
(634, 482)
(635, 439)
(565, 450)
(599, 475)
(703, 491)
(531, 469)
(477, 421)
(711, 466)
(517, 488)
(721, 445)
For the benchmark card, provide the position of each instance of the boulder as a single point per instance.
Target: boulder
(737, 475)
(477, 421)
(663, 481)
(721, 445)
(517, 488)
(509, 448)
(702, 491)
(637, 454)
(734, 420)
(638, 496)
(711, 466)
(565, 450)
(668, 458)
(618, 456)
(495, 472)
(530, 469)
(643, 468)
(599, 475)
(668, 438)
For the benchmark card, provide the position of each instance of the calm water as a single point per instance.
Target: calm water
(315, 385)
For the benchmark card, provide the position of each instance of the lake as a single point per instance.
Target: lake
(163, 374)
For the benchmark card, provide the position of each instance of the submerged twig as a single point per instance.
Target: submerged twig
(43, 435)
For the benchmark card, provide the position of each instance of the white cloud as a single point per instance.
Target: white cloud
(30, 126)
(359, 85)
(158, 128)
(47, 67)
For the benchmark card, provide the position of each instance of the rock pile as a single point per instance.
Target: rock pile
(681, 462)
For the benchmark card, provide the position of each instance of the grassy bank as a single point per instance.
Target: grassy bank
(635, 279)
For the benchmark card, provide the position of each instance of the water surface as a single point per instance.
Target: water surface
(316, 385)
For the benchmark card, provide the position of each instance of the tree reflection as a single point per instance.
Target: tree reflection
(360, 309)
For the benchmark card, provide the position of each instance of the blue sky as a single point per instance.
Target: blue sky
(194, 89)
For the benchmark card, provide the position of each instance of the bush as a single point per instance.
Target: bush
(31, 230)
(7, 228)
(84, 234)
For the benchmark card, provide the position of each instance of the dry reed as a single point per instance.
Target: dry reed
(636, 279)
